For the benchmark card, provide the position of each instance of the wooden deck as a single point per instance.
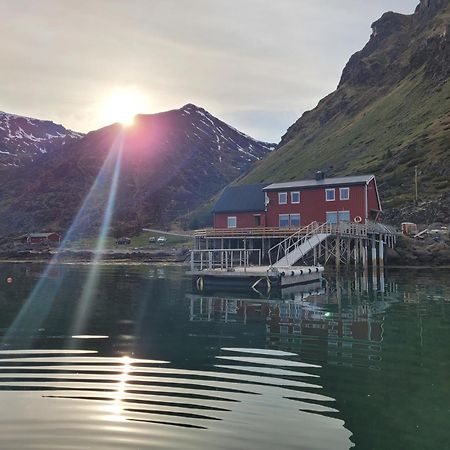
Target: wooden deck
(343, 229)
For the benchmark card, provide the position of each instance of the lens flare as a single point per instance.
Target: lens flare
(40, 301)
(122, 106)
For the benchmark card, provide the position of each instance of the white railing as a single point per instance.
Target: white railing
(304, 234)
(223, 258)
(292, 242)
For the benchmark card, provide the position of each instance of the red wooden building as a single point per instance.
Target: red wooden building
(298, 203)
(40, 238)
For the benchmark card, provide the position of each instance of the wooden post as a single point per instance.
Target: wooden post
(374, 264)
(245, 255)
(365, 256)
(338, 252)
(381, 254)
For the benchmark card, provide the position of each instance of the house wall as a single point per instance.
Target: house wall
(313, 205)
(372, 198)
(244, 219)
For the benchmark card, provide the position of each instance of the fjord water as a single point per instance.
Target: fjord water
(146, 362)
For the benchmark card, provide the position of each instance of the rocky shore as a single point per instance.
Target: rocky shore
(431, 251)
(166, 255)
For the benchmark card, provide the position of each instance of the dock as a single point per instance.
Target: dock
(277, 257)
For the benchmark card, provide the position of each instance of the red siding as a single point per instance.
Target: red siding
(373, 200)
(244, 220)
(313, 205)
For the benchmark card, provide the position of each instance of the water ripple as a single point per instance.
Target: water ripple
(78, 399)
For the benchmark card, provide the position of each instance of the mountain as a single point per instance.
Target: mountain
(389, 114)
(170, 163)
(24, 139)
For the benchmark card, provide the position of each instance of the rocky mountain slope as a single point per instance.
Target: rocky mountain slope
(389, 114)
(170, 163)
(23, 139)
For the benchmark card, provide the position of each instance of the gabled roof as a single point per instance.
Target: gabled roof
(37, 235)
(241, 199)
(337, 181)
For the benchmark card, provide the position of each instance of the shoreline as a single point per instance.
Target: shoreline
(167, 261)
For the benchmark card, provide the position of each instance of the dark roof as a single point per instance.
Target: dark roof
(36, 235)
(357, 179)
(241, 198)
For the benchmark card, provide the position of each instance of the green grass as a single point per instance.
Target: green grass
(139, 241)
(408, 123)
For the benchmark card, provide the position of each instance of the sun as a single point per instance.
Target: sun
(122, 105)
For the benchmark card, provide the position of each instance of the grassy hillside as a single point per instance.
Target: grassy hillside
(390, 113)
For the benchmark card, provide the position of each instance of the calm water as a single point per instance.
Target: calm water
(131, 358)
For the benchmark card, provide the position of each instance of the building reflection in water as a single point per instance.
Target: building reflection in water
(340, 321)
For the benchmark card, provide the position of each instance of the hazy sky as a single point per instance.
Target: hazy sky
(257, 64)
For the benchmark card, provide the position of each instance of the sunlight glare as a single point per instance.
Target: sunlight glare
(122, 105)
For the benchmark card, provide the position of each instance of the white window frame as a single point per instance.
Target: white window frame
(228, 222)
(340, 212)
(332, 212)
(344, 189)
(292, 197)
(333, 190)
(288, 220)
(279, 198)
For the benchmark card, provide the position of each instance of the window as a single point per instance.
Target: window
(231, 222)
(257, 220)
(295, 197)
(344, 216)
(344, 193)
(283, 220)
(330, 195)
(266, 199)
(331, 216)
(295, 220)
(282, 198)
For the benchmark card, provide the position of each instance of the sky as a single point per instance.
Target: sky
(256, 64)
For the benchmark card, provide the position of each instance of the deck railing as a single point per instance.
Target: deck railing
(343, 228)
(224, 258)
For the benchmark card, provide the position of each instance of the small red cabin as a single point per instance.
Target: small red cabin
(40, 238)
(298, 203)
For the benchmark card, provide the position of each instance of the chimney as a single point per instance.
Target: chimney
(320, 175)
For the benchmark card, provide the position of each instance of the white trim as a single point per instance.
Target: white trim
(288, 220)
(228, 221)
(299, 197)
(279, 201)
(340, 212)
(376, 190)
(366, 202)
(334, 194)
(340, 193)
(299, 219)
(331, 212)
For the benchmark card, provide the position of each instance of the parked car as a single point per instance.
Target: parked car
(152, 239)
(161, 240)
(123, 241)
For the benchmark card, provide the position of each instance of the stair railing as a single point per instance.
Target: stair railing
(292, 242)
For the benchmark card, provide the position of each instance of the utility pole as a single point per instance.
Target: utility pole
(415, 182)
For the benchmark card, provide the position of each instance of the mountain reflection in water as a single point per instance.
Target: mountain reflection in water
(160, 366)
